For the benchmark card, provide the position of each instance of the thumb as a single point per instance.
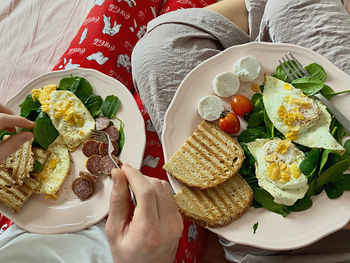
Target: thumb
(119, 208)
(11, 145)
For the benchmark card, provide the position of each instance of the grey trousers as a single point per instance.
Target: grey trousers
(177, 42)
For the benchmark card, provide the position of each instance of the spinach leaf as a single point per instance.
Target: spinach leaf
(261, 87)
(310, 162)
(316, 71)
(37, 166)
(78, 85)
(251, 134)
(308, 85)
(324, 159)
(93, 104)
(266, 200)
(269, 126)
(44, 131)
(255, 227)
(347, 147)
(333, 190)
(110, 106)
(256, 119)
(327, 92)
(345, 182)
(332, 173)
(301, 204)
(28, 106)
(121, 139)
(281, 74)
(255, 98)
(5, 132)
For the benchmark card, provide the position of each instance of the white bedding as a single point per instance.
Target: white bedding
(34, 35)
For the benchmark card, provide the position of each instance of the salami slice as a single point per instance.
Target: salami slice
(83, 188)
(103, 148)
(107, 164)
(102, 123)
(88, 176)
(113, 132)
(90, 147)
(93, 164)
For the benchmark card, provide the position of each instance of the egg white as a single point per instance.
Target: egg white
(316, 135)
(283, 193)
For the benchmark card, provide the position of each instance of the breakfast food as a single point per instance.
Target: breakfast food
(225, 84)
(90, 147)
(103, 148)
(20, 163)
(55, 170)
(68, 114)
(208, 158)
(247, 68)
(102, 123)
(13, 195)
(304, 120)
(93, 164)
(277, 169)
(210, 107)
(83, 188)
(217, 206)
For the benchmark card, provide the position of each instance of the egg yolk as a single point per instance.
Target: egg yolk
(52, 163)
(294, 170)
(66, 111)
(54, 197)
(43, 96)
(287, 86)
(282, 146)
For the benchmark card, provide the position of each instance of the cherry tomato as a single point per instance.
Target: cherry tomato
(241, 105)
(229, 122)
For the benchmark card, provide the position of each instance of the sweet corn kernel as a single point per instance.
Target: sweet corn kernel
(287, 86)
(52, 163)
(294, 170)
(255, 87)
(282, 146)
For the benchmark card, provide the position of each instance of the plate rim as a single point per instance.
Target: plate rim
(87, 220)
(167, 130)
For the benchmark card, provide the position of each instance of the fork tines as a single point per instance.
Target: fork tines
(292, 67)
(99, 136)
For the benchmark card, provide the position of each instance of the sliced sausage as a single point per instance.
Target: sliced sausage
(90, 147)
(102, 123)
(107, 164)
(93, 164)
(103, 148)
(88, 176)
(113, 132)
(83, 188)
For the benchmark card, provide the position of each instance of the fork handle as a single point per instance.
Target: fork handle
(337, 114)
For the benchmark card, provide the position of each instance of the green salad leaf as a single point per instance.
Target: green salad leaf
(29, 107)
(301, 204)
(266, 200)
(44, 131)
(255, 227)
(316, 71)
(93, 104)
(308, 85)
(110, 106)
(5, 132)
(37, 166)
(78, 85)
(309, 164)
(121, 139)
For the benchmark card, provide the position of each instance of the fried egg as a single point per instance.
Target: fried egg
(277, 169)
(55, 170)
(302, 119)
(68, 114)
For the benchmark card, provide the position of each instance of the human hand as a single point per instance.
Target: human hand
(347, 227)
(152, 233)
(10, 121)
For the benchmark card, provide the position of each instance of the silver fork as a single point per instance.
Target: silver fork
(298, 71)
(104, 137)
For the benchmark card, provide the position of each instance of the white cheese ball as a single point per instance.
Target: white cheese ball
(226, 84)
(247, 68)
(210, 107)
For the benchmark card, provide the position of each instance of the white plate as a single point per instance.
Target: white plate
(274, 231)
(68, 213)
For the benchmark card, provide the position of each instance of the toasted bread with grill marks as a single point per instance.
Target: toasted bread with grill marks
(217, 206)
(20, 162)
(13, 195)
(208, 158)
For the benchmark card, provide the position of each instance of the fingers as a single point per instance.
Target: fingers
(144, 193)
(347, 227)
(10, 145)
(6, 110)
(119, 206)
(9, 121)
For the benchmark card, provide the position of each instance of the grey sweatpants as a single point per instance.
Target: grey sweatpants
(177, 42)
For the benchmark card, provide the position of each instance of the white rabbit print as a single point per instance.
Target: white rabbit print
(98, 57)
(192, 232)
(108, 30)
(83, 36)
(68, 65)
(124, 61)
(150, 161)
(99, 2)
(150, 126)
(131, 3)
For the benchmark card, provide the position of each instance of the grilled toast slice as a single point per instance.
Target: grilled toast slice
(13, 195)
(217, 206)
(208, 158)
(20, 162)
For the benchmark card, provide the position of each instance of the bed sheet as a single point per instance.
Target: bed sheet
(34, 35)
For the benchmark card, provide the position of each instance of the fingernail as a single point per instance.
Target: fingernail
(126, 165)
(115, 180)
